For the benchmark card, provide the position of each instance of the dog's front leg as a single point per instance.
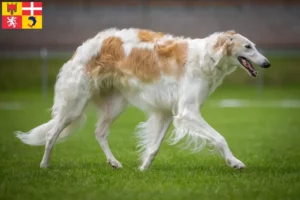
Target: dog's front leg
(222, 146)
(189, 121)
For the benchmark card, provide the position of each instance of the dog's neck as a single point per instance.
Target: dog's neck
(210, 65)
(214, 64)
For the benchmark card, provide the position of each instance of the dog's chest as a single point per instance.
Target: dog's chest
(218, 76)
(162, 95)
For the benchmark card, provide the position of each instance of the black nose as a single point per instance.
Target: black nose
(266, 64)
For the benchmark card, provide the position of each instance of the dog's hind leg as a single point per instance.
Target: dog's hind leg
(73, 90)
(110, 107)
(151, 134)
(66, 115)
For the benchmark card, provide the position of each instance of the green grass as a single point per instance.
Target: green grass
(265, 139)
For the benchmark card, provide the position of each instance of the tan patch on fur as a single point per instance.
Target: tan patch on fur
(230, 32)
(224, 43)
(229, 48)
(149, 36)
(219, 43)
(110, 54)
(111, 61)
(141, 63)
(173, 56)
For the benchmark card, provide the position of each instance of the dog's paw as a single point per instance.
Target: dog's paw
(142, 168)
(114, 164)
(236, 164)
(44, 165)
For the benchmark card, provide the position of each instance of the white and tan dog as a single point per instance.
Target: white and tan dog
(167, 77)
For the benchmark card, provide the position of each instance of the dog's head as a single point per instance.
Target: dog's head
(240, 51)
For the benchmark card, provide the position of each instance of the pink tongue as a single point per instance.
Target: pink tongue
(245, 62)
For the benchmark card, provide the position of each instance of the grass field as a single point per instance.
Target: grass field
(265, 138)
(263, 133)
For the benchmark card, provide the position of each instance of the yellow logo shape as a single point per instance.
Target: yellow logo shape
(29, 23)
(11, 8)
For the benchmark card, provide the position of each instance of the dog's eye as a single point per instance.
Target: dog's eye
(248, 46)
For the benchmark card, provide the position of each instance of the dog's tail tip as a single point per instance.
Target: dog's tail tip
(26, 138)
(36, 136)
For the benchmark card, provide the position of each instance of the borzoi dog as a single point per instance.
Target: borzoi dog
(167, 77)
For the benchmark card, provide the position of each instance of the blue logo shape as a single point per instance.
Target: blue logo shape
(33, 19)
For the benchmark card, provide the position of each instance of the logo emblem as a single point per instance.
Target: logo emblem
(33, 19)
(12, 22)
(11, 8)
(22, 15)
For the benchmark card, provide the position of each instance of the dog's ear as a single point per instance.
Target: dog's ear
(230, 32)
(225, 43)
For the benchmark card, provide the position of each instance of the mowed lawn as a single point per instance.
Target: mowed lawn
(266, 138)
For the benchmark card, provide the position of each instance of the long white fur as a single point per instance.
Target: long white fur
(164, 100)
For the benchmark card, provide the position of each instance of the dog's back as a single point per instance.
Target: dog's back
(121, 56)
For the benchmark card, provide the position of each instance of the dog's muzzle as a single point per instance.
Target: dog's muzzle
(265, 64)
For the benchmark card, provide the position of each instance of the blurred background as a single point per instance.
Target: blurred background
(272, 24)
(259, 117)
